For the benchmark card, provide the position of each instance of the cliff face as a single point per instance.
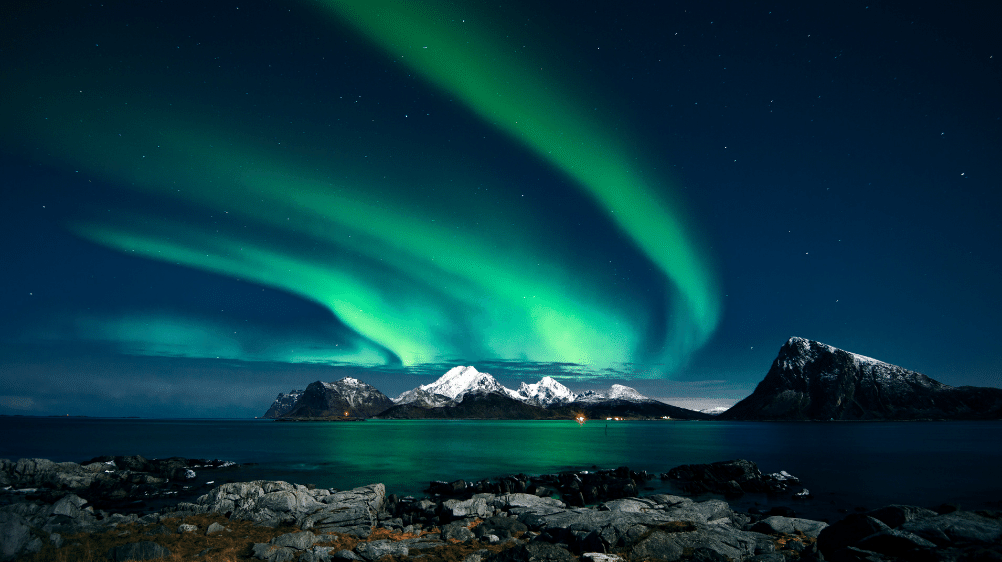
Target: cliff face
(283, 404)
(347, 397)
(813, 381)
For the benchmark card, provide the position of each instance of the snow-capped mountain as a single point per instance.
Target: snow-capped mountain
(616, 392)
(545, 392)
(457, 382)
(465, 393)
(714, 411)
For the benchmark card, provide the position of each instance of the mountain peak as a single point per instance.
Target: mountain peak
(347, 397)
(545, 392)
(458, 381)
(810, 380)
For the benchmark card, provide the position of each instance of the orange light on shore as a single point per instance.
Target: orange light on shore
(580, 419)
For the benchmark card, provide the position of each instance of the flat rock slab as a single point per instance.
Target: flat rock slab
(726, 541)
(789, 526)
(897, 515)
(619, 522)
(377, 549)
(272, 553)
(298, 541)
(959, 527)
(15, 533)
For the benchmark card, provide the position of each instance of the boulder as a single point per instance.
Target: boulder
(15, 535)
(457, 532)
(43, 473)
(508, 501)
(345, 555)
(352, 511)
(272, 503)
(723, 541)
(535, 551)
(789, 526)
(848, 532)
(316, 554)
(501, 527)
(273, 553)
(895, 516)
(477, 506)
(69, 506)
(144, 550)
(893, 542)
(733, 477)
(298, 541)
(477, 556)
(623, 523)
(377, 549)
(957, 528)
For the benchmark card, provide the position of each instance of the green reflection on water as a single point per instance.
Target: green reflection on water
(402, 452)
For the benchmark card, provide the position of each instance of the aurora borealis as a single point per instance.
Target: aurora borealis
(265, 194)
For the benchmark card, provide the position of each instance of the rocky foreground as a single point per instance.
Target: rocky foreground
(511, 519)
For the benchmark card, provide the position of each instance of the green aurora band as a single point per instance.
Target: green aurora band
(415, 283)
(435, 40)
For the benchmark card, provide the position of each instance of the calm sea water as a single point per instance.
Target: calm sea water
(844, 465)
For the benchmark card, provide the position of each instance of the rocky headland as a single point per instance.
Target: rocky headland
(813, 381)
(594, 516)
(346, 398)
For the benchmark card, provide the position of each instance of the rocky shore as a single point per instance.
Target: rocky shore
(53, 511)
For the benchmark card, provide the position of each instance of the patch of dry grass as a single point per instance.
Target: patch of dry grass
(228, 546)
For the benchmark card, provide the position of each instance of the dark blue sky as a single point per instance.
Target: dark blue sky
(205, 206)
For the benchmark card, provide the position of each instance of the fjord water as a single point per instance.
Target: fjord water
(844, 465)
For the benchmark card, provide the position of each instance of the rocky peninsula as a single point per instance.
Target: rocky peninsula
(60, 511)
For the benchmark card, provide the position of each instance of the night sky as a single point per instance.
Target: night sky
(203, 205)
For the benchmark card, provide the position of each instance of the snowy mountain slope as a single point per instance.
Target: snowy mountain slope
(282, 404)
(616, 392)
(457, 382)
(545, 392)
(423, 398)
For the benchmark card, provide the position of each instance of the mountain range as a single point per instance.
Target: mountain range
(808, 380)
(464, 393)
